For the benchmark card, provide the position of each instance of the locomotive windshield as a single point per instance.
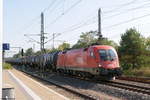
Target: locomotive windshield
(107, 54)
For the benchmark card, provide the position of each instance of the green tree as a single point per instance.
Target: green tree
(29, 52)
(45, 51)
(64, 46)
(86, 39)
(89, 38)
(131, 48)
(17, 55)
(148, 43)
(105, 41)
(146, 54)
(38, 53)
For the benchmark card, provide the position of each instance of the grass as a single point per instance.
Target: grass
(141, 72)
(7, 66)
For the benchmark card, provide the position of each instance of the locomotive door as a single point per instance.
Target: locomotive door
(91, 61)
(63, 58)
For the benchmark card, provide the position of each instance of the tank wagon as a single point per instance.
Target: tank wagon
(96, 60)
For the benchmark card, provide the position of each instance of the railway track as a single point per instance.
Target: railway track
(135, 79)
(126, 86)
(130, 87)
(77, 93)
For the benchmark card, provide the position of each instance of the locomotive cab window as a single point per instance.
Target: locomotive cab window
(112, 54)
(107, 54)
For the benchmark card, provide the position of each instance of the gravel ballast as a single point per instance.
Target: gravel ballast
(100, 88)
(97, 89)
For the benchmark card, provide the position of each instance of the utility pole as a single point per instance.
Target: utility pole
(33, 47)
(42, 37)
(3, 56)
(54, 36)
(42, 31)
(99, 24)
(53, 39)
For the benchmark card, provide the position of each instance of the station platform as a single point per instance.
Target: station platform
(26, 88)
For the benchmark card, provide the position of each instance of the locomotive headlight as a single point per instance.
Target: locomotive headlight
(99, 65)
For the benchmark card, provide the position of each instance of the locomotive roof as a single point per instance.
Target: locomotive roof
(102, 46)
(96, 46)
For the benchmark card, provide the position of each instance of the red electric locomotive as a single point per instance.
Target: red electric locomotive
(97, 60)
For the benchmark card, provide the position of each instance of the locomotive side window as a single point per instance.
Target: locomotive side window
(92, 54)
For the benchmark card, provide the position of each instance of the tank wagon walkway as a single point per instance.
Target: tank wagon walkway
(27, 88)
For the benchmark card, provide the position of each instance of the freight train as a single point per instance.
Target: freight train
(96, 60)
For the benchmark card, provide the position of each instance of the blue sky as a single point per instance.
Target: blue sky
(23, 17)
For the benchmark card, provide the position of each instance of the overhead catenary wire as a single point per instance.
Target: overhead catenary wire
(65, 12)
(128, 10)
(62, 13)
(80, 24)
(134, 26)
(46, 9)
(111, 35)
(120, 6)
(32, 22)
(56, 35)
(117, 24)
(53, 8)
(34, 34)
(49, 6)
(38, 17)
(77, 27)
(127, 21)
(124, 22)
(33, 39)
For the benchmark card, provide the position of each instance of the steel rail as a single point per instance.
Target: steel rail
(135, 79)
(126, 86)
(134, 88)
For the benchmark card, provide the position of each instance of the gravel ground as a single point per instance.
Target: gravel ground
(63, 92)
(99, 91)
(65, 81)
(87, 91)
(59, 90)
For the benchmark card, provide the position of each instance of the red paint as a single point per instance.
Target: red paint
(83, 58)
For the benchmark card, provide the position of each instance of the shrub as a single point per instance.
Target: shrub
(140, 72)
(7, 66)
